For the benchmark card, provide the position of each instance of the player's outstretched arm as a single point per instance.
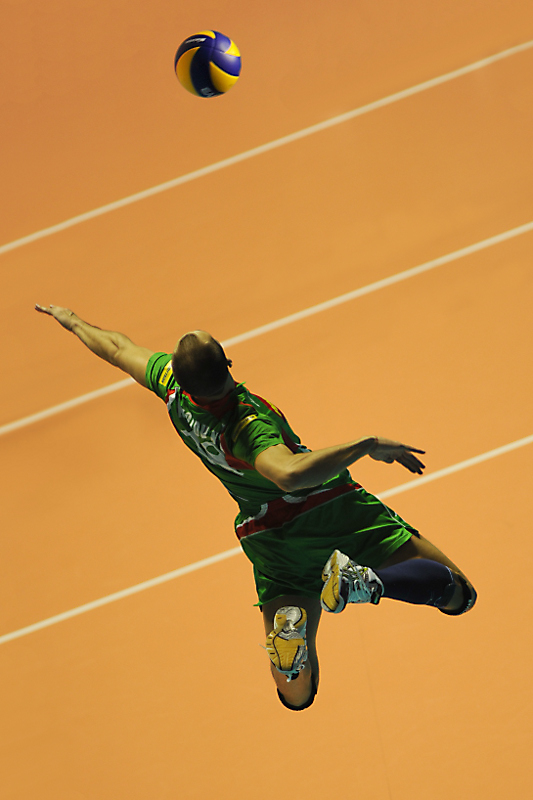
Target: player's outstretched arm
(112, 346)
(293, 471)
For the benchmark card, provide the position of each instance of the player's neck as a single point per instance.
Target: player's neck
(206, 401)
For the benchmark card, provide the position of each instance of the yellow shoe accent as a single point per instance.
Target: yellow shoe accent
(348, 582)
(330, 598)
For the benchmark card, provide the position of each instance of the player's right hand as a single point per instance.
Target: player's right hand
(390, 451)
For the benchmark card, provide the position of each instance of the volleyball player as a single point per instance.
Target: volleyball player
(316, 539)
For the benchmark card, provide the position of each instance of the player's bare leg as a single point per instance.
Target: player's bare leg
(297, 691)
(419, 547)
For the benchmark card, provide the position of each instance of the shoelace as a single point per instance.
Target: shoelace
(358, 587)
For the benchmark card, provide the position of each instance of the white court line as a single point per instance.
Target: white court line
(177, 573)
(382, 284)
(264, 148)
(66, 406)
(307, 312)
(470, 462)
(110, 598)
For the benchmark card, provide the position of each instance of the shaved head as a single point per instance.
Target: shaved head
(200, 365)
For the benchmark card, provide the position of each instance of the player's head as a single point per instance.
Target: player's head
(200, 365)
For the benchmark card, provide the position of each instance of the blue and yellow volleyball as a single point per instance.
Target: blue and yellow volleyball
(207, 63)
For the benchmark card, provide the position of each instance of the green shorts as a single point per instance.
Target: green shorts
(289, 559)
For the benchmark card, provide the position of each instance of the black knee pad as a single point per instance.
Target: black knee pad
(469, 599)
(307, 703)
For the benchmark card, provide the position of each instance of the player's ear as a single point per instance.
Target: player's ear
(229, 363)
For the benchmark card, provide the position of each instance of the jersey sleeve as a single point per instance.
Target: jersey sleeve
(159, 375)
(254, 434)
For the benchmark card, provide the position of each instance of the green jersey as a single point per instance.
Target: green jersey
(227, 436)
(287, 536)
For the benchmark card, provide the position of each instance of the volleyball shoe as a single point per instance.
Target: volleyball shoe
(348, 582)
(286, 645)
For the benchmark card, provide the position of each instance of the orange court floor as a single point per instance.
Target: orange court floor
(162, 692)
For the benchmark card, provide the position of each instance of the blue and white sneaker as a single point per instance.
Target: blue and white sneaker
(348, 582)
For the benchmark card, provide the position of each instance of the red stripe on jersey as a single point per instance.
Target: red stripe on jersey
(293, 447)
(271, 407)
(218, 408)
(281, 511)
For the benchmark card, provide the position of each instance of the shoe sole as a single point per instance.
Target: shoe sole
(283, 652)
(331, 599)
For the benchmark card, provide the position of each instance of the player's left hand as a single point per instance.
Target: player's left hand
(390, 451)
(64, 316)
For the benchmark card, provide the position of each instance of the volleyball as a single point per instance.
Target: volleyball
(207, 64)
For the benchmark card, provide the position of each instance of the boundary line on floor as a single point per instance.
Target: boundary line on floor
(10, 427)
(264, 148)
(206, 562)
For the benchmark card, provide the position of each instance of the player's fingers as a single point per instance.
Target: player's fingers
(412, 463)
(413, 449)
(42, 309)
(413, 468)
(414, 460)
